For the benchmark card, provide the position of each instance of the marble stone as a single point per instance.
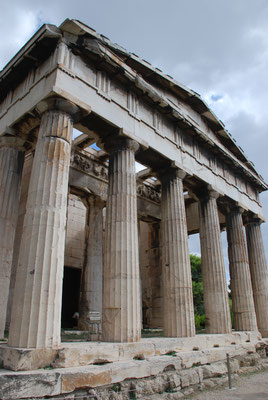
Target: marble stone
(11, 164)
(213, 269)
(259, 274)
(176, 268)
(241, 288)
(90, 307)
(36, 309)
(121, 278)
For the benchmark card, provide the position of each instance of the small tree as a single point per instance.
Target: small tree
(198, 294)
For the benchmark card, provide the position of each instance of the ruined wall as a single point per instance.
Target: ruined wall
(150, 268)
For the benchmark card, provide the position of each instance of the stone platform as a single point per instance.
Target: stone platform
(75, 354)
(151, 366)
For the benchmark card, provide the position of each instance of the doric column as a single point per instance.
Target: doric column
(90, 307)
(241, 289)
(213, 270)
(176, 271)
(11, 164)
(259, 273)
(36, 309)
(25, 180)
(121, 282)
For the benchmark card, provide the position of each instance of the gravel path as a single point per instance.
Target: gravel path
(248, 387)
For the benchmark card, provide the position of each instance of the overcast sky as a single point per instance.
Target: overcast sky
(219, 48)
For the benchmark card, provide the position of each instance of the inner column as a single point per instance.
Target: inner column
(90, 307)
(216, 301)
(121, 281)
(177, 280)
(36, 309)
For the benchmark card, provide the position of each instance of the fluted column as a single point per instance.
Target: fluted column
(25, 180)
(90, 307)
(121, 283)
(11, 164)
(36, 309)
(213, 270)
(241, 289)
(259, 273)
(176, 272)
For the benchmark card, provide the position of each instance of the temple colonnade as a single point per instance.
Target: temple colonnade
(35, 320)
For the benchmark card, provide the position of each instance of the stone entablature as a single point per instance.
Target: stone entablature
(205, 156)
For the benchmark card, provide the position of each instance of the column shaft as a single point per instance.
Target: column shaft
(90, 307)
(26, 174)
(213, 270)
(121, 283)
(11, 164)
(177, 280)
(36, 309)
(259, 275)
(241, 289)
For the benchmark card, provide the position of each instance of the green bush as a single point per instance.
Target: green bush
(200, 321)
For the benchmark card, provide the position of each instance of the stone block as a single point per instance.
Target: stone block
(26, 359)
(175, 380)
(24, 385)
(82, 378)
(234, 365)
(248, 360)
(214, 370)
(193, 377)
(164, 364)
(174, 396)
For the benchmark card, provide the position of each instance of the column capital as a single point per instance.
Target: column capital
(167, 174)
(231, 207)
(251, 218)
(116, 143)
(206, 193)
(59, 104)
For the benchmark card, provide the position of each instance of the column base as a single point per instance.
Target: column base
(264, 333)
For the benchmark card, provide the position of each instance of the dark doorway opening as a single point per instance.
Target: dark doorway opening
(70, 297)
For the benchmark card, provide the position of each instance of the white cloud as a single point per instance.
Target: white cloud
(16, 27)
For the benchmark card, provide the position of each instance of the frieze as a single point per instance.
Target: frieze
(89, 166)
(100, 171)
(148, 192)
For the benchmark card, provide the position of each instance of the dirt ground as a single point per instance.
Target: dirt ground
(247, 387)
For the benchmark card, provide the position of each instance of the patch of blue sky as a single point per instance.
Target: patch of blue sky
(216, 97)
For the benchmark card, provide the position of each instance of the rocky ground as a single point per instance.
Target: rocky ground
(246, 387)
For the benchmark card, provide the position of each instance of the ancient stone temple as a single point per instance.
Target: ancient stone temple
(88, 242)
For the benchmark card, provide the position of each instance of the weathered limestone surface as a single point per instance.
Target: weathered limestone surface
(77, 354)
(241, 288)
(36, 309)
(91, 291)
(161, 374)
(11, 164)
(259, 274)
(177, 281)
(26, 174)
(213, 269)
(121, 291)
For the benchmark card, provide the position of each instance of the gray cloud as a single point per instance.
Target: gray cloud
(218, 48)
